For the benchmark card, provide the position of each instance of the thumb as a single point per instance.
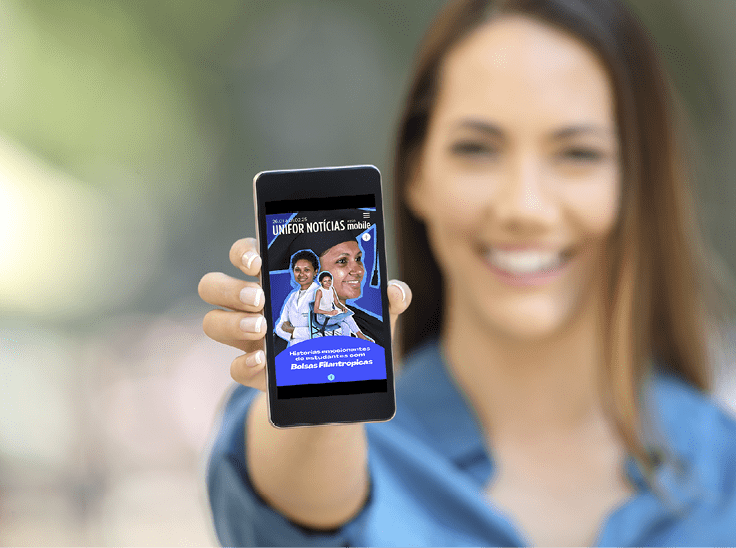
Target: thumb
(399, 299)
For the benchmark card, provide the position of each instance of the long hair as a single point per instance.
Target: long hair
(659, 291)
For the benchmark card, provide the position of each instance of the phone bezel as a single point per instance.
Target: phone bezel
(328, 182)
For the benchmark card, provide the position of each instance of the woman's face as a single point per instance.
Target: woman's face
(519, 178)
(303, 273)
(326, 282)
(345, 262)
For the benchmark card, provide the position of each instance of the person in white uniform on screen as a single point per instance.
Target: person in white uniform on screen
(293, 325)
(339, 252)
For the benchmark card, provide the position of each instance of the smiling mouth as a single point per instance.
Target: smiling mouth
(526, 262)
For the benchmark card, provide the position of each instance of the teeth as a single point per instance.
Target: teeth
(524, 262)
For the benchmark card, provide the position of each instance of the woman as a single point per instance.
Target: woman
(557, 356)
(345, 260)
(340, 253)
(325, 301)
(293, 325)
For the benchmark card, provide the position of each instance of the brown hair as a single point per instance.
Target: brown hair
(658, 290)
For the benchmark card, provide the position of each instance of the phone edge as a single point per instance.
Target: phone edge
(260, 280)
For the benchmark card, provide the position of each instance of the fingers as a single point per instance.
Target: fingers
(249, 370)
(244, 255)
(242, 326)
(399, 299)
(237, 329)
(220, 289)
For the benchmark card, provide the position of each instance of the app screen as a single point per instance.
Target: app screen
(325, 282)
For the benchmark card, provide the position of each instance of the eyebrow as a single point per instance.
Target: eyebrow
(346, 254)
(483, 127)
(494, 130)
(581, 129)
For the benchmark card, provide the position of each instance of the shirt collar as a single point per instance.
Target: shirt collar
(429, 390)
(678, 420)
(431, 393)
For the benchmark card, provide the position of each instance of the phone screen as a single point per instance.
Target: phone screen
(330, 244)
(321, 235)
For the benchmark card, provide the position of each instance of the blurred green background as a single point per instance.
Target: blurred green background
(130, 132)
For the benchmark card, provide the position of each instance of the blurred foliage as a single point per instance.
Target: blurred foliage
(164, 110)
(130, 131)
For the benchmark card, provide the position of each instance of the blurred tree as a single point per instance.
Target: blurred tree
(169, 108)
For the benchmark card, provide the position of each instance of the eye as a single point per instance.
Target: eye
(359, 259)
(472, 148)
(581, 155)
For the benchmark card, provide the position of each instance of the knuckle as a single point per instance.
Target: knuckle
(240, 372)
(235, 251)
(236, 370)
(207, 281)
(207, 324)
(202, 285)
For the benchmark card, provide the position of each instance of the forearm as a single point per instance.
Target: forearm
(280, 331)
(315, 476)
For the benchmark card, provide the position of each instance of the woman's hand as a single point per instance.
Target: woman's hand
(282, 472)
(286, 326)
(399, 299)
(241, 324)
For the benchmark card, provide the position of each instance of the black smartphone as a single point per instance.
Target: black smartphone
(328, 345)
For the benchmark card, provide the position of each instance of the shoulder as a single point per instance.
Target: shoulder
(688, 413)
(700, 432)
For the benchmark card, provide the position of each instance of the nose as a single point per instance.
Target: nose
(356, 268)
(525, 201)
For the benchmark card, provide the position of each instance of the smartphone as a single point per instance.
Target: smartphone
(328, 344)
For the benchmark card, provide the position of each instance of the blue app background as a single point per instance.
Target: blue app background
(315, 360)
(282, 281)
(330, 359)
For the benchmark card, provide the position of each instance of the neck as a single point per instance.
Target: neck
(520, 387)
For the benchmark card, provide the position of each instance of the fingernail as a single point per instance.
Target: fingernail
(248, 258)
(252, 324)
(256, 359)
(403, 293)
(251, 295)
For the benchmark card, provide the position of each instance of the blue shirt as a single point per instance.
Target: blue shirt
(429, 466)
